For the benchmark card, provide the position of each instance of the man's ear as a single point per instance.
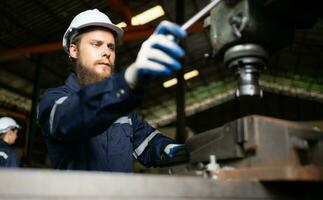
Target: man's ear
(73, 51)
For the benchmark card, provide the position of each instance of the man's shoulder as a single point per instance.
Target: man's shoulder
(69, 87)
(61, 90)
(53, 94)
(137, 119)
(5, 148)
(133, 115)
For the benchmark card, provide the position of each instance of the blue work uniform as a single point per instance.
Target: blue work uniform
(95, 128)
(8, 157)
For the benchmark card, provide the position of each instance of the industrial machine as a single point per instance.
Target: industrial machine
(244, 33)
(254, 147)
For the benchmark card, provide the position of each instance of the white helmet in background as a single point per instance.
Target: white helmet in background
(7, 123)
(85, 19)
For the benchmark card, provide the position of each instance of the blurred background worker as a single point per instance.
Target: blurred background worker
(8, 135)
(89, 123)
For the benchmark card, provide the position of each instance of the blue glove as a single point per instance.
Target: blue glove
(158, 55)
(173, 149)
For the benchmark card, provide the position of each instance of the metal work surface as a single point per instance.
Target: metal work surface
(41, 184)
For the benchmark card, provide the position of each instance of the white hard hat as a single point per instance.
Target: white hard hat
(85, 19)
(7, 123)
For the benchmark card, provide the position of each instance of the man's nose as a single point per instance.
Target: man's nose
(106, 51)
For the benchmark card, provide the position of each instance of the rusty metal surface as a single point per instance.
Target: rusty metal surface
(70, 185)
(278, 173)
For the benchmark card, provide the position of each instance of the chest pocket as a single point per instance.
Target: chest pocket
(120, 137)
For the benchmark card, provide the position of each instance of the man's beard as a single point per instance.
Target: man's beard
(87, 76)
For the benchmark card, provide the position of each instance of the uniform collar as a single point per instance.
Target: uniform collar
(72, 82)
(4, 143)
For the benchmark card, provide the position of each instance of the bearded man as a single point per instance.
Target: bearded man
(89, 123)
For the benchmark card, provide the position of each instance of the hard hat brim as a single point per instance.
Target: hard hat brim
(8, 128)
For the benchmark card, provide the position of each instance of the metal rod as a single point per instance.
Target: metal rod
(200, 14)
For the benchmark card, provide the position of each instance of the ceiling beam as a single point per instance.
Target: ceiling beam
(122, 9)
(132, 33)
(42, 48)
(15, 114)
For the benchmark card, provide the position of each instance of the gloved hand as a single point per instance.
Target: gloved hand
(174, 149)
(158, 55)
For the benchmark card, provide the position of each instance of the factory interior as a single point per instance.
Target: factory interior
(247, 103)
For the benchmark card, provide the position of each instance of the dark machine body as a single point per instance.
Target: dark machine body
(257, 143)
(245, 33)
(283, 156)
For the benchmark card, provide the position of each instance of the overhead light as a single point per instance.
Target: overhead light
(121, 25)
(187, 76)
(145, 17)
(191, 74)
(170, 83)
(148, 15)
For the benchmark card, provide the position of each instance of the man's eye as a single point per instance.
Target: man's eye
(112, 47)
(96, 44)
